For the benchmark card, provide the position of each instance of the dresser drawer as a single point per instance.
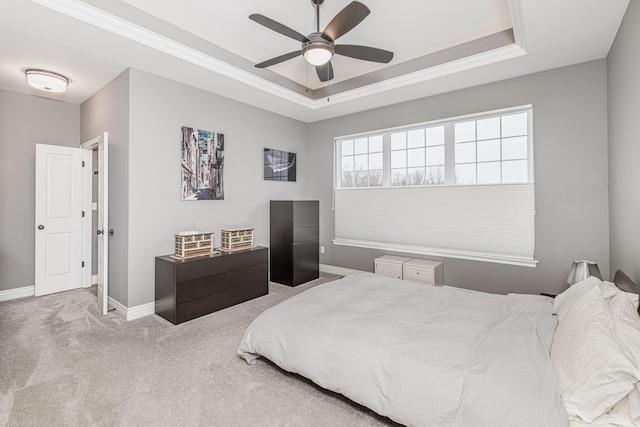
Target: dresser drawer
(244, 259)
(306, 220)
(302, 276)
(306, 262)
(305, 234)
(198, 268)
(202, 287)
(304, 207)
(303, 249)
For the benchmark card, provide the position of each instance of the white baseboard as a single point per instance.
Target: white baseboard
(9, 294)
(134, 312)
(325, 268)
(128, 313)
(141, 310)
(94, 279)
(120, 308)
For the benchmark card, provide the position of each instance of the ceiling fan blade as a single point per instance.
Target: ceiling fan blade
(345, 20)
(278, 27)
(365, 53)
(325, 72)
(279, 59)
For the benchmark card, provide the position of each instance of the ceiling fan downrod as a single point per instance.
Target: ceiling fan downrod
(317, 3)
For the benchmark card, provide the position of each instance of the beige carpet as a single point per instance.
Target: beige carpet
(62, 364)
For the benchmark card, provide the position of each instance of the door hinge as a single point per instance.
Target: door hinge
(83, 163)
(95, 172)
(82, 214)
(82, 264)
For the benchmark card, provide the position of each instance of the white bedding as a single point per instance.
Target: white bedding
(420, 355)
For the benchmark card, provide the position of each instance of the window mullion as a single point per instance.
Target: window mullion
(449, 154)
(386, 159)
(337, 158)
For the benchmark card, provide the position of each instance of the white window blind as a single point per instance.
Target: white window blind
(493, 223)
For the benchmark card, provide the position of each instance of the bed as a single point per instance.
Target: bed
(430, 356)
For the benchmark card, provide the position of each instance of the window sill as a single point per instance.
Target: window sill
(445, 253)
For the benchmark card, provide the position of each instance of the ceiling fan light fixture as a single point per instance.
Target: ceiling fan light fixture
(318, 55)
(46, 80)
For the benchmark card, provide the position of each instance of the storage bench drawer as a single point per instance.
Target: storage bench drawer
(422, 275)
(423, 271)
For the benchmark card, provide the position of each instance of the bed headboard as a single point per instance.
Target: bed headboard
(624, 283)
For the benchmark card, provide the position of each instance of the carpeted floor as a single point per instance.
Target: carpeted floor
(63, 364)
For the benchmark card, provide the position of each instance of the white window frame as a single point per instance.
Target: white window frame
(449, 146)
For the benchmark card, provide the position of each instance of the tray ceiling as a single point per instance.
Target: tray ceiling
(438, 46)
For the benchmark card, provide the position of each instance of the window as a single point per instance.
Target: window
(458, 188)
(362, 162)
(491, 148)
(417, 156)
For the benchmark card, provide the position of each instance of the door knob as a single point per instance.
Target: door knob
(99, 232)
(111, 232)
(41, 227)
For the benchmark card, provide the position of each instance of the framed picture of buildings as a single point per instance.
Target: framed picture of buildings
(202, 171)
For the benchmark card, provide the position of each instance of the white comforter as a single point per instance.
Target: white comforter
(420, 355)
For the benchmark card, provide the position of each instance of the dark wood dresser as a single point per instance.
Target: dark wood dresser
(190, 288)
(294, 241)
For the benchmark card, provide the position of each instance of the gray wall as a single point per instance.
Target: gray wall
(570, 164)
(143, 114)
(108, 111)
(624, 145)
(159, 109)
(24, 121)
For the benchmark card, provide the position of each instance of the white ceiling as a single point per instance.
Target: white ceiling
(213, 45)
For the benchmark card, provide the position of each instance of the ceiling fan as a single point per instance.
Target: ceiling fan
(319, 47)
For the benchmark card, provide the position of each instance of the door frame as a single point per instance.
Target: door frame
(87, 208)
(87, 176)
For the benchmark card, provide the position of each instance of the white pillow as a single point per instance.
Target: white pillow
(572, 295)
(593, 368)
(627, 325)
(624, 413)
(609, 289)
(626, 321)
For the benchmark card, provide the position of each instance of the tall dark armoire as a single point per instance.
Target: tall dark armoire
(294, 238)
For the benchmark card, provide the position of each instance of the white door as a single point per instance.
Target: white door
(58, 253)
(103, 223)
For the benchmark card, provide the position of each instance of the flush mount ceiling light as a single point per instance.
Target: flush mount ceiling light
(46, 80)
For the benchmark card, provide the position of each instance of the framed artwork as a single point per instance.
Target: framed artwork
(202, 171)
(279, 165)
